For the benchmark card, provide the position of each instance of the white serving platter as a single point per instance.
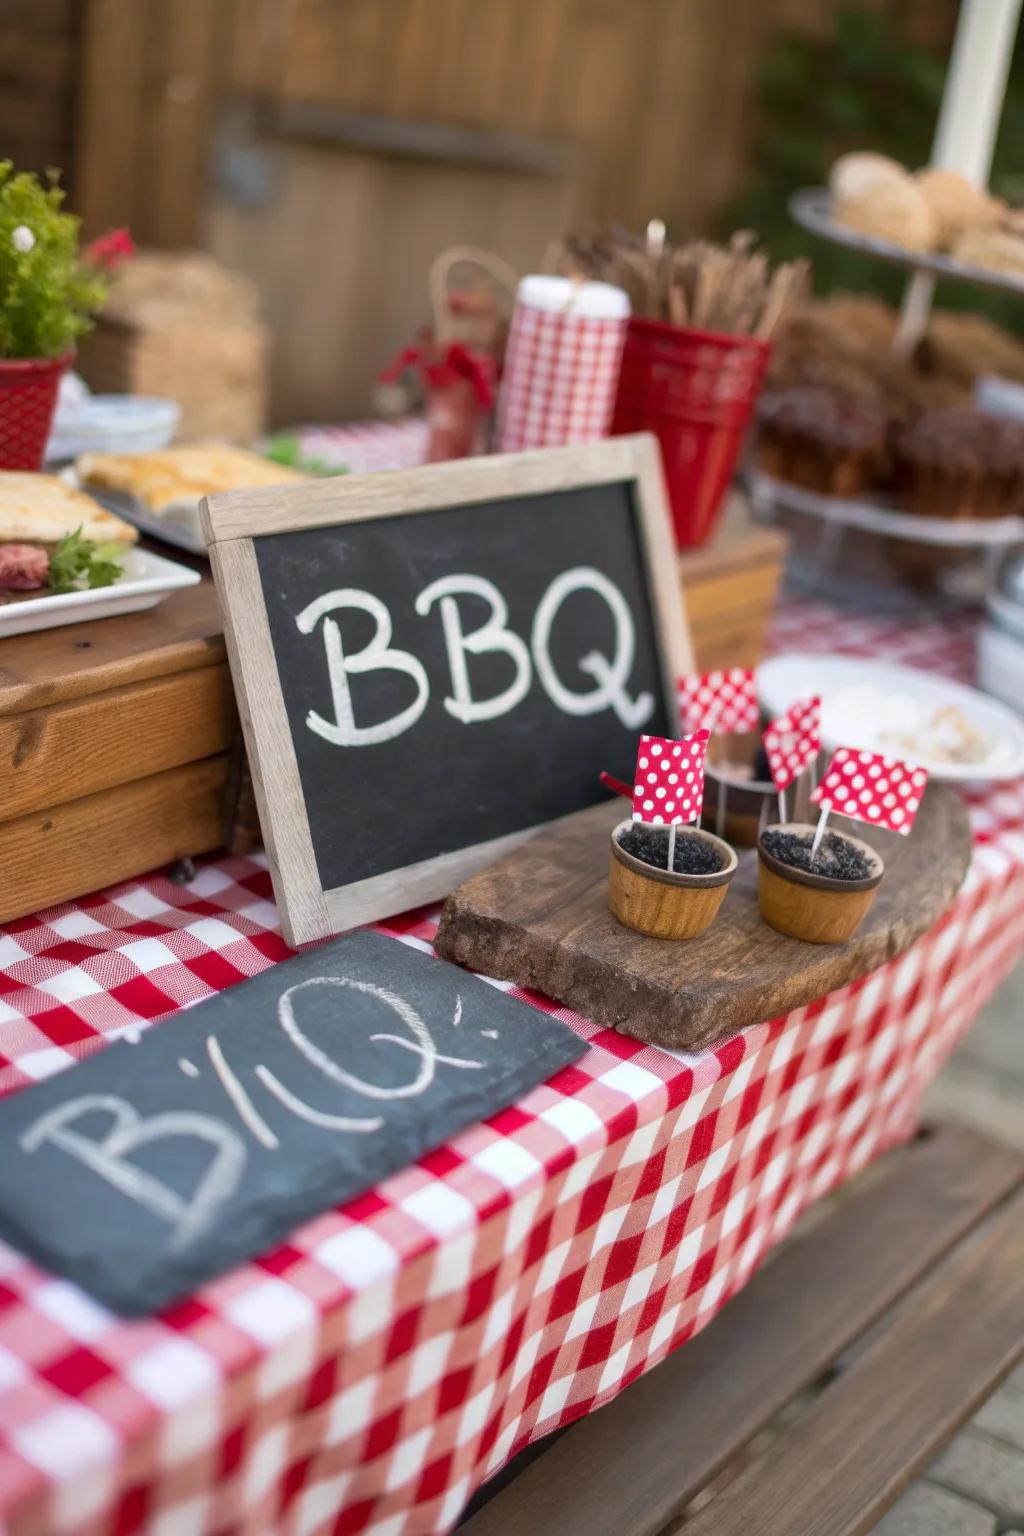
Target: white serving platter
(811, 209)
(186, 534)
(786, 678)
(147, 580)
(165, 529)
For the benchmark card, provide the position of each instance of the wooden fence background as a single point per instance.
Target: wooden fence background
(332, 147)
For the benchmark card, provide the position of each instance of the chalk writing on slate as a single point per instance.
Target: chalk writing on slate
(454, 676)
(151, 1167)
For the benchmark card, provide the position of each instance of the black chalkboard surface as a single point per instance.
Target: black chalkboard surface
(442, 781)
(152, 1167)
(433, 663)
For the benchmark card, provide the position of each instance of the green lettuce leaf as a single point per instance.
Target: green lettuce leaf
(77, 563)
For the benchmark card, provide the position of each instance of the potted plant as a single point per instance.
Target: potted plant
(49, 292)
(822, 897)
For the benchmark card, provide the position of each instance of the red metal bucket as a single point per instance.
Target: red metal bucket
(696, 391)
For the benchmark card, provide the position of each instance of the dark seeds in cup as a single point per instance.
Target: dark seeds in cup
(650, 844)
(837, 858)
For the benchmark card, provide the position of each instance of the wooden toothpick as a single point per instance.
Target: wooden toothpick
(819, 832)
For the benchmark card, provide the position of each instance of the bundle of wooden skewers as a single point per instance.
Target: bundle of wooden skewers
(726, 288)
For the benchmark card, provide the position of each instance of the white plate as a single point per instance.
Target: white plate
(147, 580)
(787, 678)
(186, 534)
(182, 535)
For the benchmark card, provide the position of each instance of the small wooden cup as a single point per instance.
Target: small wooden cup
(817, 908)
(745, 798)
(659, 902)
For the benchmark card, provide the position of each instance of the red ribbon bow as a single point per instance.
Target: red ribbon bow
(442, 369)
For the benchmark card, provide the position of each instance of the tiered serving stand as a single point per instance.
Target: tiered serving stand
(810, 209)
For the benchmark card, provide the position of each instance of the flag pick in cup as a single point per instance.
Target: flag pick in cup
(668, 785)
(791, 744)
(878, 790)
(723, 701)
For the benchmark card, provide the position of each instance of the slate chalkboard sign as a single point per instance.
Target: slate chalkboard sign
(433, 663)
(152, 1167)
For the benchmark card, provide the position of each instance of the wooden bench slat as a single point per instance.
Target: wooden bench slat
(689, 1416)
(841, 1466)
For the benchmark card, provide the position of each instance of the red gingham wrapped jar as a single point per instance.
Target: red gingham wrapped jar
(562, 363)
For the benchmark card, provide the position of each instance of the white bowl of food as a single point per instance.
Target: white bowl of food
(956, 732)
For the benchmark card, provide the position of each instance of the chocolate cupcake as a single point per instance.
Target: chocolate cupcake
(960, 463)
(823, 439)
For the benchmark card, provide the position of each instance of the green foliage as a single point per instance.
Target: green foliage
(862, 88)
(77, 563)
(285, 448)
(47, 294)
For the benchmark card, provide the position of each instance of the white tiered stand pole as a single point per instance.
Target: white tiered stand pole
(972, 101)
(972, 104)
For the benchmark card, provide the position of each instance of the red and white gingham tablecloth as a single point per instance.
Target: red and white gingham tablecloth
(370, 1373)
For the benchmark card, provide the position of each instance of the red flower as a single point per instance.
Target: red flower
(109, 250)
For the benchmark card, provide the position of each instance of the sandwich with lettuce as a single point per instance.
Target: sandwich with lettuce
(54, 539)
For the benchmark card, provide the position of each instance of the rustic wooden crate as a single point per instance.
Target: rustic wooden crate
(731, 587)
(115, 749)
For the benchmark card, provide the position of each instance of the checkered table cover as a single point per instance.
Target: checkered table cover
(367, 446)
(370, 1373)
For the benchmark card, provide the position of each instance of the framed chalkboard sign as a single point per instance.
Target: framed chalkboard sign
(431, 664)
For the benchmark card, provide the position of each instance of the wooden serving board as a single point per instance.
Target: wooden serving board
(539, 918)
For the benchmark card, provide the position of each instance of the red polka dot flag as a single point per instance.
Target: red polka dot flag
(793, 741)
(879, 790)
(668, 786)
(724, 702)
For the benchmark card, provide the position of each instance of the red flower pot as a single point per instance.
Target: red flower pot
(28, 399)
(695, 390)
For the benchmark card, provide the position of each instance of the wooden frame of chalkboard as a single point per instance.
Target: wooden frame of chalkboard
(234, 523)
